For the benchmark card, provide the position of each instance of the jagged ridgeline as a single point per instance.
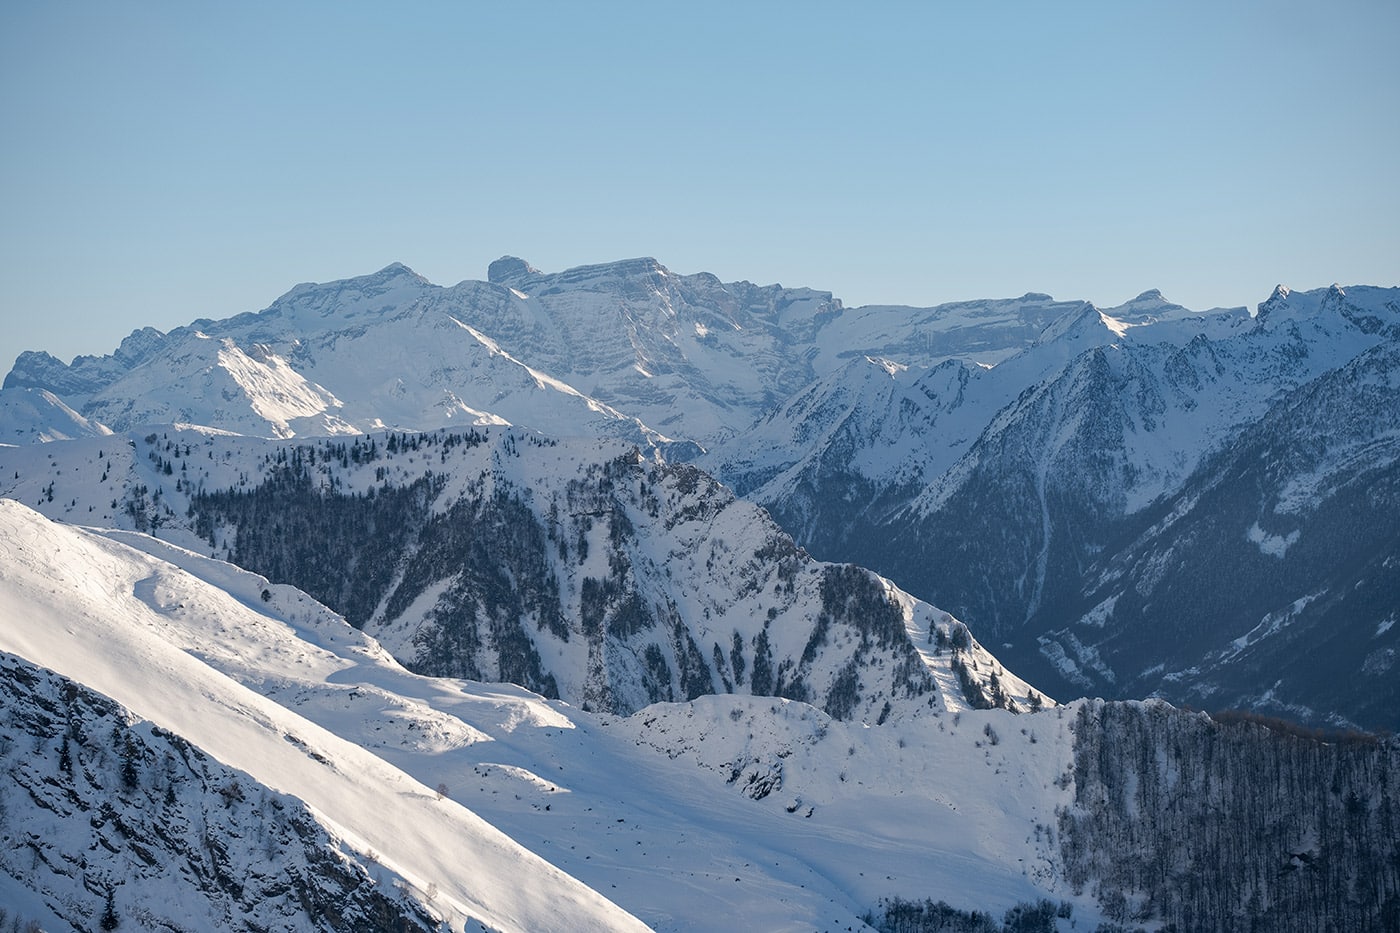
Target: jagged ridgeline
(584, 571)
(158, 834)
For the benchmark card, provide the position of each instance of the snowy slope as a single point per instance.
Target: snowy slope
(135, 629)
(30, 416)
(663, 811)
(205, 380)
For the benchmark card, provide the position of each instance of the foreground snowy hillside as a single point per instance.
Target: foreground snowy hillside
(255, 725)
(145, 634)
(299, 701)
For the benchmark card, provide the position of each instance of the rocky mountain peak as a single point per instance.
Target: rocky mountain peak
(509, 269)
(1275, 301)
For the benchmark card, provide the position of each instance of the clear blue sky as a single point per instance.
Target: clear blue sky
(164, 161)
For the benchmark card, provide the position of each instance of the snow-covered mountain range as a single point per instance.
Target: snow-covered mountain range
(1002, 494)
(626, 349)
(983, 455)
(508, 488)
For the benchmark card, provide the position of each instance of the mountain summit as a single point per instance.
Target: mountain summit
(507, 269)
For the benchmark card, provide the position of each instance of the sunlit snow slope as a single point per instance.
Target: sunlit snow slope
(145, 633)
(727, 812)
